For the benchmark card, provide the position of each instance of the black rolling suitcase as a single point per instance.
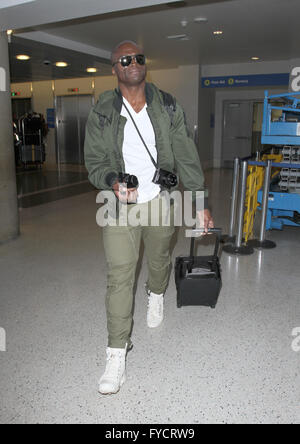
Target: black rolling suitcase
(198, 278)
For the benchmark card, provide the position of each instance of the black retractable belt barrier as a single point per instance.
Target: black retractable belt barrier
(198, 278)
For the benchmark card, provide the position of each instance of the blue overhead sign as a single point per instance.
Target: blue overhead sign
(250, 80)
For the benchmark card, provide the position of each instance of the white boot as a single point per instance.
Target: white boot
(115, 373)
(155, 314)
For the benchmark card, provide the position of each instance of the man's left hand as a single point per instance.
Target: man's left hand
(205, 220)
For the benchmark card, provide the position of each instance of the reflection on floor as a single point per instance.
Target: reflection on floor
(233, 364)
(41, 186)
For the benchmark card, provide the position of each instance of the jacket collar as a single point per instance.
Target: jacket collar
(113, 100)
(118, 100)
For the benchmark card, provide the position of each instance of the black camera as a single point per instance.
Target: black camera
(165, 178)
(129, 180)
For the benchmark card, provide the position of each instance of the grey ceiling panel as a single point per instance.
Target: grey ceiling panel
(268, 29)
(52, 11)
(35, 69)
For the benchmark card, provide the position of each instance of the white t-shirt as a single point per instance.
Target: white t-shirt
(137, 160)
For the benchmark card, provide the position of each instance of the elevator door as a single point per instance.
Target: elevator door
(72, 115)
(237, 132)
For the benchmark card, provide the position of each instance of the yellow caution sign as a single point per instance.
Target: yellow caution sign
(255, 183)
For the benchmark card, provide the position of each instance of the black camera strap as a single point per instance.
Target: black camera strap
(141, 137)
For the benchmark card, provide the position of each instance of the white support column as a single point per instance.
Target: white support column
(9, 216)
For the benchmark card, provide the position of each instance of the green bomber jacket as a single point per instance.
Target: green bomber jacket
(176, 150)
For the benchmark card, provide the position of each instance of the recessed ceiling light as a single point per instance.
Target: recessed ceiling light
(23, 57)
(92, 70)
(255, 58)
(61, 64)
(9, 34)
(218, 32)
(184, 23)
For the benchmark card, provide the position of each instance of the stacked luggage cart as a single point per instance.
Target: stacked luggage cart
(271, 183)
(281, 129)
(29, 141)
(290, 177)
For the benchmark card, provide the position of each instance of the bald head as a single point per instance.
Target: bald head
(132, 74)
(124, 48)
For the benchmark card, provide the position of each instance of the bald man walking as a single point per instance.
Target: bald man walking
(137, 130)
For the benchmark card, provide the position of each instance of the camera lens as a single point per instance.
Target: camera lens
(133, 181)
(172, 180)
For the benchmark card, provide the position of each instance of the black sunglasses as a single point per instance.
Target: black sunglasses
(127, 60)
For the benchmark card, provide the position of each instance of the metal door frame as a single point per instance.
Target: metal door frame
(57, 151)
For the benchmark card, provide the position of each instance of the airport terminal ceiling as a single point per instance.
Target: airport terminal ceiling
(173, 34)
(41, 65)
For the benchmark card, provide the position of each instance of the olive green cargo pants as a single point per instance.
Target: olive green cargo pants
(122, 250)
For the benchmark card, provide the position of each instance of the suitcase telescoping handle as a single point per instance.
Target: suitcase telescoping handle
(199, 232)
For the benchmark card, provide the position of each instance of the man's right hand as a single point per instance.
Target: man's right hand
(124, 194)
